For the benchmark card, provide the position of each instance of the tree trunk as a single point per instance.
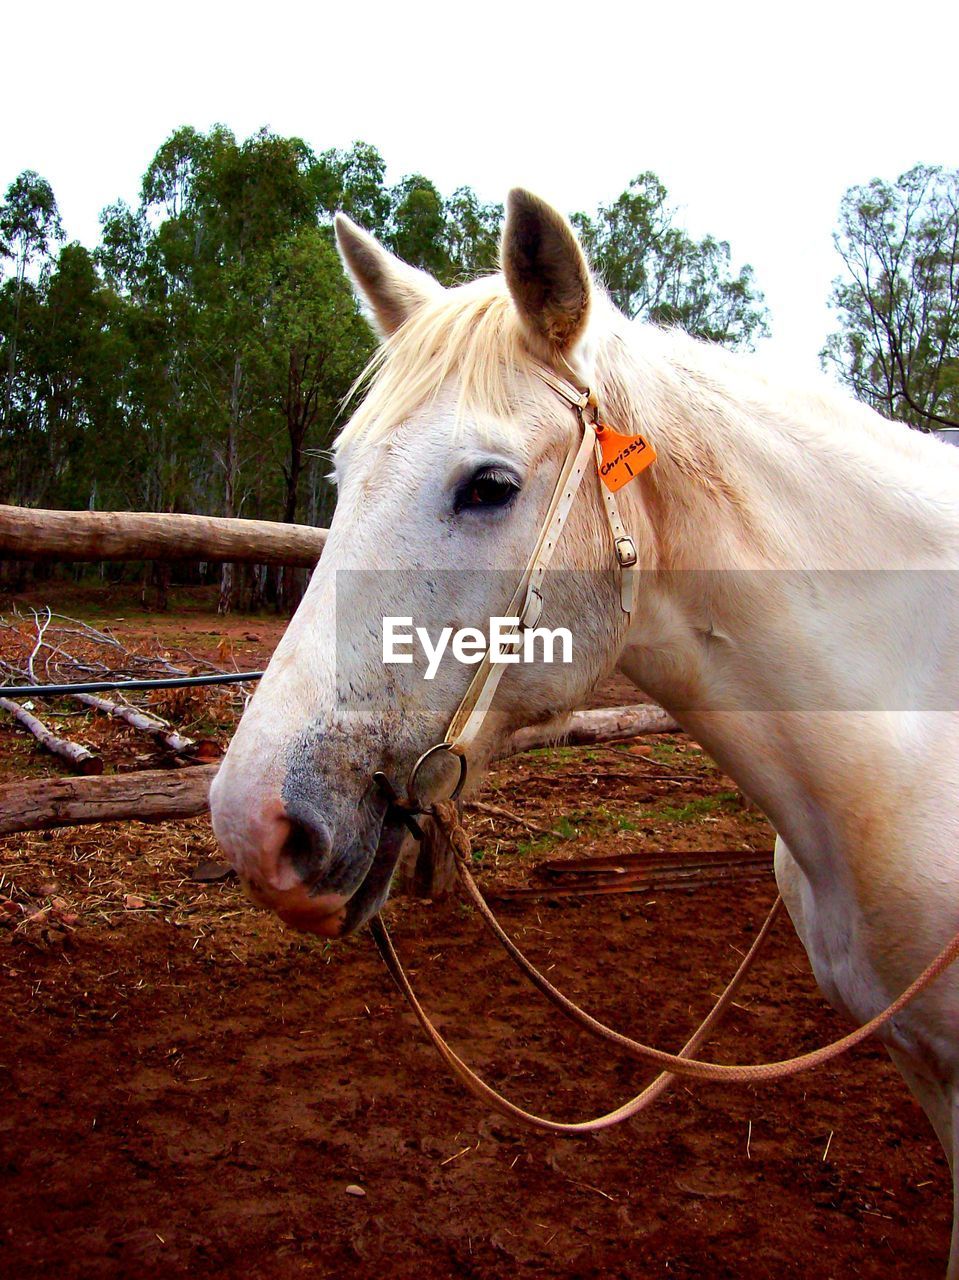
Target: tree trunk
(225, 602)
(13, 340)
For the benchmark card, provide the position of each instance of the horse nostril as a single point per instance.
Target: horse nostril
(304, 853)
(292, 853)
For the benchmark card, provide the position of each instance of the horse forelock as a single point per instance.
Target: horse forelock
(472, 333)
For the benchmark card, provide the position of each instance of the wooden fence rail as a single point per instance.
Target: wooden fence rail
(157, 795)
(28, 533)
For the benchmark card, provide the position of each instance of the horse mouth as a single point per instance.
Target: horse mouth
(373, 890)
(310, 909)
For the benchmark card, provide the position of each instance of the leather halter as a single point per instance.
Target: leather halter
(526, 603)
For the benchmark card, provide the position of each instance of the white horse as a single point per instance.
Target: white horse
(824, 687)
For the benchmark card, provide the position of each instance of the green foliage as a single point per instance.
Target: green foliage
(655, 270)
(897, 346)
(29, 220)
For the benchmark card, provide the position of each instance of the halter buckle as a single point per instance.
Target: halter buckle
(532, 609)
(626, 555)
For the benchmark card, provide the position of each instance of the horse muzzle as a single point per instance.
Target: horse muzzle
(283, 865)
(287, 862)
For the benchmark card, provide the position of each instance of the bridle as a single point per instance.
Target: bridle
(527, 605)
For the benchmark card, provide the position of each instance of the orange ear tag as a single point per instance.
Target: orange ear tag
(622, 457)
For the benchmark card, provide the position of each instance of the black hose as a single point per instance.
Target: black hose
(106, 686)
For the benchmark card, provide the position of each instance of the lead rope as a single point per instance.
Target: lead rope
(681, 1064)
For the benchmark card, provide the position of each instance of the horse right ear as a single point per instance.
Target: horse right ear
(391, 288)
(546, 271)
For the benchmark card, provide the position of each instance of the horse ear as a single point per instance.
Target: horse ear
(546, 270)
(392, 289)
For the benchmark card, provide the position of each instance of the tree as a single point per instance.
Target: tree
(62, 429)
(454, 239)
(418, 225)
(472, 234)
(213, 210)
(898, 302)
(308, 347)
(354, 182)
(29, 222)
(655, 270)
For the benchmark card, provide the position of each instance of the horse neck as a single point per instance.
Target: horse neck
(745, 485)
(753, 475)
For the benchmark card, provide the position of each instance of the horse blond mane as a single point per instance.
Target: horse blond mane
(473, 331)
(696, 399)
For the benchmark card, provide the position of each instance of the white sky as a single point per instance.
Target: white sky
(756, 116)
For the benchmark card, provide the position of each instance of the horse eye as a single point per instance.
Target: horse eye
(490, 487)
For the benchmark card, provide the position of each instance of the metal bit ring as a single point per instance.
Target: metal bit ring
(412, 799)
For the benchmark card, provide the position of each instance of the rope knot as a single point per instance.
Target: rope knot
(447, 819)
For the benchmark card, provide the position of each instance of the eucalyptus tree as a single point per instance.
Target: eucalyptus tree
(654, 269)
(897, 300)
(29, 227)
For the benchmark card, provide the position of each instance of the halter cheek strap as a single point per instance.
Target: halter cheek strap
(527, 601)
(624, 548)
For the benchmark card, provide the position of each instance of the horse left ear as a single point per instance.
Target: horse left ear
(391, 288)
(546, 271)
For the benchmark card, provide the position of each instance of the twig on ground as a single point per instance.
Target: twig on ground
(41, 628)
(497, 811)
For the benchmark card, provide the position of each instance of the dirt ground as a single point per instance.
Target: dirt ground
(190, 1089)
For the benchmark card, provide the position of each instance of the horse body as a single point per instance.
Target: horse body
(795, 614)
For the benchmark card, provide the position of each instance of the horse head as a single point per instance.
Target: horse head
(444, 477)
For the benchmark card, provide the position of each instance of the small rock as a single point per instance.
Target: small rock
(354, 1190)
(133, 902)
(211, 870)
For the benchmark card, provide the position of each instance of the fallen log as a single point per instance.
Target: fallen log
(77, 756)
(142, 721)
(154, 795)
(28, 533)
(583, 728)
